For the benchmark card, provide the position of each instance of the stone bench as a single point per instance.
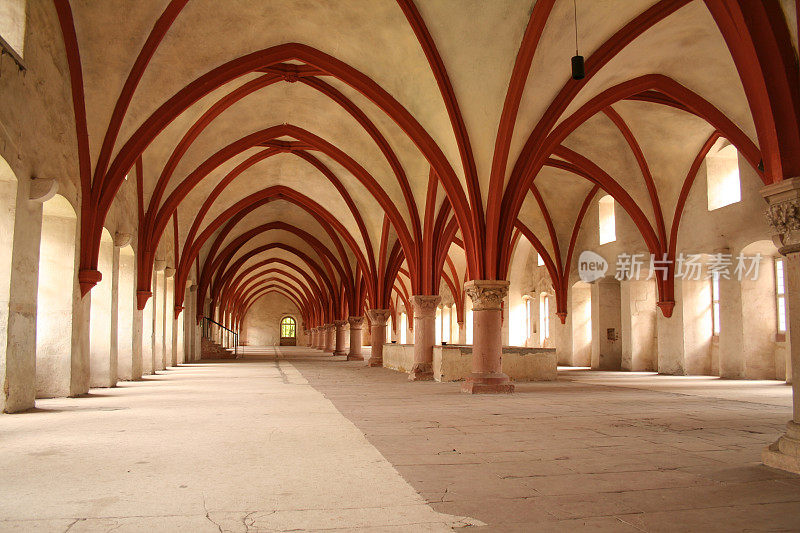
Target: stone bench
(454, 362)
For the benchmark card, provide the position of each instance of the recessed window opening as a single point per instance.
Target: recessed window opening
(608, 225)
(780, 295)
(722, 176)
(715, 304)
(544, 317)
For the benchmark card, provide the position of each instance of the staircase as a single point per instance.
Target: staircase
(212, 350)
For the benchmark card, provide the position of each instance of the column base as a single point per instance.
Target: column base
(335, 354)
(784, 453)
(489, 383)
(421, 372)
(375, 362)
(355, 357)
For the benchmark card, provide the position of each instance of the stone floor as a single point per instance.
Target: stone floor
(213, 447)
(278, 444)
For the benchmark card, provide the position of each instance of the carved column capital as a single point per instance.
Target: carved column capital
(486, 294)
(122, 239)
(42, 189)
(356, 322)
(425, 305)
(378, 317)
(783, 214)
(339, 323)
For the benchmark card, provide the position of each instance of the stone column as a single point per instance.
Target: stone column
(462, 333)
(330, 338)
(487, 343)
(319, 341)
(18, 367)
(341, 335)
(783, 215)
(378, 318)
(424, 336)
(322, 332)
(356, 325)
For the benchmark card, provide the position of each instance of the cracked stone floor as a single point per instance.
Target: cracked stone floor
(292, 440)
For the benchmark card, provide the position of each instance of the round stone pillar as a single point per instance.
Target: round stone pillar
(314, 337)
(783, 215)
(424, 336)
(341, 335)
(320, 344)
(378, 318)
(487, 342)
(319, 341)
(356, 325)
(330, 338)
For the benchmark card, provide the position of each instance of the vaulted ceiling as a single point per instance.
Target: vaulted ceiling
(318, 147)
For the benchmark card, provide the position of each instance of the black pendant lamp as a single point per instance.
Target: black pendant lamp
(578, 71)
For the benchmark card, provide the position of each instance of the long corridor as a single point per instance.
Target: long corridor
(233, 447)
(289, 439)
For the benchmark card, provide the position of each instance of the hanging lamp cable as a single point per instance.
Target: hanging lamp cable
(575, 6)
(578, 71)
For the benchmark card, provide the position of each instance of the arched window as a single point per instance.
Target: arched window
(780, 296)
(288, 327)
(403, 328)
(715, 321)
(544, 318)
(528, 317)
(608, 225)
(438, 324)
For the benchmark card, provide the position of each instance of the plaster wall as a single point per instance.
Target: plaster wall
(103, 364)
(170, 352)
(159, 301)
(606, 325)
(638, 329)
(148, 336)
(581, 324)
(697, 326)
(261, 324)
(727, 354)
(129, 364)
(54, 318)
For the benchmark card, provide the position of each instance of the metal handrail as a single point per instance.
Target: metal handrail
(226, 342)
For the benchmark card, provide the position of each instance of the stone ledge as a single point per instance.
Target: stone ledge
(453, 362)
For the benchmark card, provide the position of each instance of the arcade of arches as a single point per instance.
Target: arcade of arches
(413, 186)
